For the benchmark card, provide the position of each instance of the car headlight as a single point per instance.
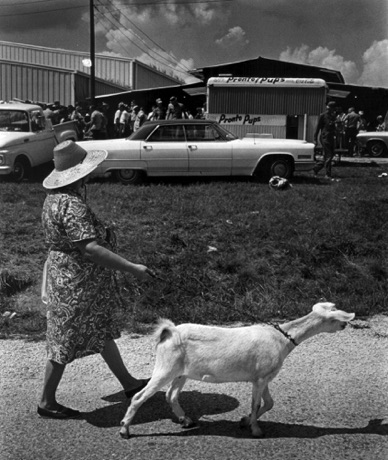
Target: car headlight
(2, 156)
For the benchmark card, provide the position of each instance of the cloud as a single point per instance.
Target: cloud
(375, 61)
(234, 37)
(322, 57)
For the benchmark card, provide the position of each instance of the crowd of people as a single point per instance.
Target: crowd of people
(338, 130)
(349, 124)
(94, 122)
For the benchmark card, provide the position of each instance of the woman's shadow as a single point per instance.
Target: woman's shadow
(203, 405)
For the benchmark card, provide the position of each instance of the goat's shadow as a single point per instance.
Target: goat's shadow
(156, 408)
(271, 430)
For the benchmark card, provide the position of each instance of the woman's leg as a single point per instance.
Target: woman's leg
(53, 376)
(112, 357)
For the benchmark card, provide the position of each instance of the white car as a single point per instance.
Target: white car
(199, 148)
(375, 143)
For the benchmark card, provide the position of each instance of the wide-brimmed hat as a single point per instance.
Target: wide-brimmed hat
(72, 162)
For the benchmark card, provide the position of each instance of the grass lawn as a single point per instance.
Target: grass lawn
(225, 250)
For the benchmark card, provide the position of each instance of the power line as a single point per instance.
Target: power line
(191, 2)
(178, 64)
(166, 63)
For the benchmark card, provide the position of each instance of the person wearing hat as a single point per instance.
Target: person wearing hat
(79, 282)
(326, 128)
(159, 112)
(175, 110)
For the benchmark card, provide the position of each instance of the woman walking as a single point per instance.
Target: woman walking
(79, 286)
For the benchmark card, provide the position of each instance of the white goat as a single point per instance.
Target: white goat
(217, 355)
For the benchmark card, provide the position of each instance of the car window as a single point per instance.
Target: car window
(13, 120)
(202, 133)
(169, 133)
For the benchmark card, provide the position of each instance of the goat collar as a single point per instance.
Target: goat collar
(276, 326)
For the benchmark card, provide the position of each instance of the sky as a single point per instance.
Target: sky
(350, 36)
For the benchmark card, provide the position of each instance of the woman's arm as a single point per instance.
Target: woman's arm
(108, 259)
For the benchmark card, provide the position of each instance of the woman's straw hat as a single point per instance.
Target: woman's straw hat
(72, 162)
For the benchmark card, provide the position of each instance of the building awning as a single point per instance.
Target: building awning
(338, 93)
(200, 91)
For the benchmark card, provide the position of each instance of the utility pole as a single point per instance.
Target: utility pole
(92, 55)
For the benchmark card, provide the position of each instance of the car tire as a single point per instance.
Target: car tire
(21, 169)
(377, 149)
(129, 176)
(281, 167)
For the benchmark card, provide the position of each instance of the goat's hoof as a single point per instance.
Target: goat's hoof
(186, 422)
(257, 433)
(245, 422)
(124, 432)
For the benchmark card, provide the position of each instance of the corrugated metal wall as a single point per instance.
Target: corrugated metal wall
(43, 84)
(117, 70)
(35, 83)
(269, 101)
(144, 79)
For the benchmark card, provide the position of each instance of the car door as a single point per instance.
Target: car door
(165, 151)
(42, 141)
(209, 153)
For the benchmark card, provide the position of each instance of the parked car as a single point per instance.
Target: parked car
(375, 143)
(199, 148)
(27, 139)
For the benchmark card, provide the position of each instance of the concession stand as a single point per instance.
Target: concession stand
(275, 107)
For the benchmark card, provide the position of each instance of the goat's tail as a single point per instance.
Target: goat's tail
(166, 329)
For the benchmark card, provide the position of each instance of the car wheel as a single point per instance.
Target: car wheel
(377, 149)
(21, 169)
(281, 167)
(130, 176)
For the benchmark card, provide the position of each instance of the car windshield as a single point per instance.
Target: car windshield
(14, 120)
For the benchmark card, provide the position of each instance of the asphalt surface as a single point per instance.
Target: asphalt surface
(331, 402)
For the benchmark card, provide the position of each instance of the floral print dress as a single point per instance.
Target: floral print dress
(82, 296)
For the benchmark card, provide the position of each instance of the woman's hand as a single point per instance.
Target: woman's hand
(143, 273)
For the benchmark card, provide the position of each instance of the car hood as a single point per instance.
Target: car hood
(7, 139)
(369, 134)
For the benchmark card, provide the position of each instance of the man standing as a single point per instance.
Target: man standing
(116, 119)
(140, 117)
(326, 126)
(97, 124)
(352, 121)
(175, 110)
(159, 112)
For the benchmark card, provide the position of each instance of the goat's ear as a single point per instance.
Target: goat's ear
(324, 307)
(342, 315)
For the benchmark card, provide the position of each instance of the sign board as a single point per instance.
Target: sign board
(247, 119)
(261, 81)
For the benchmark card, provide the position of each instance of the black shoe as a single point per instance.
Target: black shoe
(63, 413)
(131, 393)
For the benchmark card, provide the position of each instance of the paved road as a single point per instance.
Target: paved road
(331, 402)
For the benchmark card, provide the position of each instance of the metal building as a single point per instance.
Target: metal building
(127, 73)
(47, 84)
